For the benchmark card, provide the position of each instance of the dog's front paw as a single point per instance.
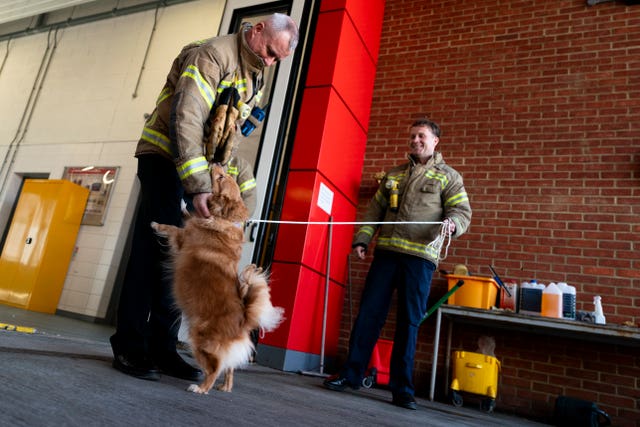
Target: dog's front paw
(195, 388)
(154, 225)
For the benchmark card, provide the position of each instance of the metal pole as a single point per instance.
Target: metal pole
(326, 296)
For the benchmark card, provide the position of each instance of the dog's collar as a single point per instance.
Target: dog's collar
(238, 224)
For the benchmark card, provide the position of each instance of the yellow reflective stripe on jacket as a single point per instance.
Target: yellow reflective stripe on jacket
(157, 139)
(224, 84)
(396, 178)
(164, 94)
(367, 229)
(248, 185)
(232, 170)
(187, 169)
(241, 85)
(382, 201)
(258, 97)
(407, 245)
(439, 176)
(457, 199)
(205, 90)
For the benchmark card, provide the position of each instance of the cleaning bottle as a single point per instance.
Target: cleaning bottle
(599, 314)
(551, 301)
(530, 297)
(568, 300)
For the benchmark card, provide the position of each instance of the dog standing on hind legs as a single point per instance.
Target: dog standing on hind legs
(221, 305)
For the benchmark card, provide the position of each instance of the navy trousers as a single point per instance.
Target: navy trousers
(148, 320)
(411, 277)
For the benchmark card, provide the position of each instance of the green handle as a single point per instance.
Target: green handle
(442, 300)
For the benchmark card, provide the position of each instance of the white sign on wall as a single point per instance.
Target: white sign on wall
(325, 198)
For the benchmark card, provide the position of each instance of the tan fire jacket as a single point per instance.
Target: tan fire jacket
(427, 193)
(178, 127)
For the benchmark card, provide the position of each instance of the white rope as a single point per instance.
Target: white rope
(435, 245)
(250, 221)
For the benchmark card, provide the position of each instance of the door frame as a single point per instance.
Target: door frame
(276, 142)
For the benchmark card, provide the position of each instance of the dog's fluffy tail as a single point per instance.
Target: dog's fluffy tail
(259, 312)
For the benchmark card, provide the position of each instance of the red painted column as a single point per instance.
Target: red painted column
(325, 172)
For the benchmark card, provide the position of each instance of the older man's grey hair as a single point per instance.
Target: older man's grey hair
(279, 22)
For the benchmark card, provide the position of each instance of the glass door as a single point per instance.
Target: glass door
(265, 145)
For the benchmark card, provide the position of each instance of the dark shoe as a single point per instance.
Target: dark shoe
(139, 367)
(404, 400)
(338, 383)
(173, 365)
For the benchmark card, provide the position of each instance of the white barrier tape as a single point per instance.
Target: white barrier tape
(250, 221)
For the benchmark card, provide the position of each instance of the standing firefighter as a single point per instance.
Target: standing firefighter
(210, 91)
(423, 190)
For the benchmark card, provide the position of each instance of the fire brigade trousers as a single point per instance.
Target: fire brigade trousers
(411, 277)
(148, 320)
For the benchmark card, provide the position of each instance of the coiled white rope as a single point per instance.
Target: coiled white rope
(435, 245)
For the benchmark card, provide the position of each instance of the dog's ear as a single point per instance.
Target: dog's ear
(238, 210)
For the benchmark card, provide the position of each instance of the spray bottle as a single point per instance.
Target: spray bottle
(599, 314)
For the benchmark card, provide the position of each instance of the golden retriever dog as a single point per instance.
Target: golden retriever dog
(222, 306)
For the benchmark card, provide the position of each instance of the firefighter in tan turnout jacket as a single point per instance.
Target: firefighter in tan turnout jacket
(200, 76)
(210, 92)
(415, 201)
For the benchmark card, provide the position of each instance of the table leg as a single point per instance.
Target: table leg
(447, 360)
(434, 362)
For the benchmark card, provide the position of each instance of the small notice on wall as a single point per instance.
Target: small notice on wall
(100, 181)
(325, 198)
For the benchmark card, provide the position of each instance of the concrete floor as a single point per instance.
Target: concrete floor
(60, 374)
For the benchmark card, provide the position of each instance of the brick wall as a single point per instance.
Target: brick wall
(539, 103)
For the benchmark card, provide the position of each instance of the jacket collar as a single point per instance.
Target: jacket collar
(435, 159)
(249, 59)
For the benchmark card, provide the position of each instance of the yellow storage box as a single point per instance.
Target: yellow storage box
(477, 292)
(475, 373)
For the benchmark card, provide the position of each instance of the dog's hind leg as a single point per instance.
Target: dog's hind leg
(210, 364)
(209, 380)
(227, 384)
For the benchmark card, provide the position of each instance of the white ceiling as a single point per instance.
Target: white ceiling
(12, 10)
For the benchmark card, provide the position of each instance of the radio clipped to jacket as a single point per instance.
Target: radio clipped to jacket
(392, 186)
(255, 118)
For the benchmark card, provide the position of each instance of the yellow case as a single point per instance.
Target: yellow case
(475, 373)
(41, 240)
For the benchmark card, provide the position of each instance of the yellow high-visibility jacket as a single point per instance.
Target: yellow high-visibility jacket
(427, 193)
(178, 127)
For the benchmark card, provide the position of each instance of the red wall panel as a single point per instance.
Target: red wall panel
(344, 64)
(330, 140)
(367, 17)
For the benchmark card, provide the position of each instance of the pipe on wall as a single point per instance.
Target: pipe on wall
(115, 12)
(10, 154)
